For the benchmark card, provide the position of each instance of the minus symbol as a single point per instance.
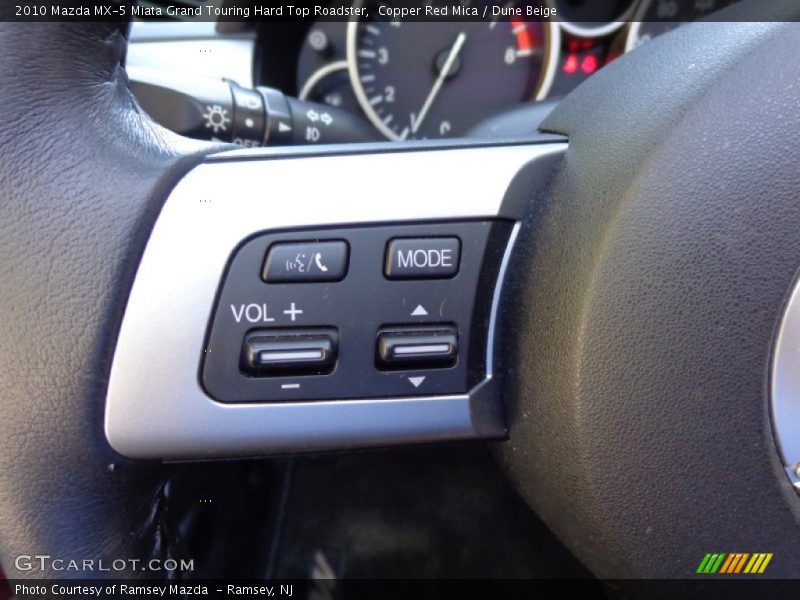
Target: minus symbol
(290, 386)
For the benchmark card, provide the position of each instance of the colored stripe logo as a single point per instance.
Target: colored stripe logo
(734, 563)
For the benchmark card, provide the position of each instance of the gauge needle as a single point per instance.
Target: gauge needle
(437, 85)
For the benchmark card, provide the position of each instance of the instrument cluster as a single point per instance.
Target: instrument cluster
(422, 80)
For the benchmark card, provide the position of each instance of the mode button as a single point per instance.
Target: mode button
(422, 258)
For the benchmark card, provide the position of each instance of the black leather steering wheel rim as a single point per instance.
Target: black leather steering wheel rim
(84, 173)
(652, 283)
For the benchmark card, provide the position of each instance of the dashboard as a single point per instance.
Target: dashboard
(376, 76)
(423, 80)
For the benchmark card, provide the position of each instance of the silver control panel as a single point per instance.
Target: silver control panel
(157, 406)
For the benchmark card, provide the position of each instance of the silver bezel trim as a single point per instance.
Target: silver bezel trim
(591, 32)
(785, 397)
(156, 407)
(631, 37)
(636, 25)
(595, 31)
(319, 75)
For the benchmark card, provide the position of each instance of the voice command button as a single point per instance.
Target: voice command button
(304, 262)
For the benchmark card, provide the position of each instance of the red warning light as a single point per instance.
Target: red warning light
(571, 64)
(589, 64)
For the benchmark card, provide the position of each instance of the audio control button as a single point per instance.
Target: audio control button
(417, 347)
(422, 258)
(306, 262)
(277, 352)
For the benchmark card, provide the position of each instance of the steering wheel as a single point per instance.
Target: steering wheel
(655, 254)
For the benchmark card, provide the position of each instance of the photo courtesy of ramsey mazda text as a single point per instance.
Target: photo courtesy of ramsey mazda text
(399, 299)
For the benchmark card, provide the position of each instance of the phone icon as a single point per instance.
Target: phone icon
(318, 261)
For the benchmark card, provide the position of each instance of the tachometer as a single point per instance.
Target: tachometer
(424, 80)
